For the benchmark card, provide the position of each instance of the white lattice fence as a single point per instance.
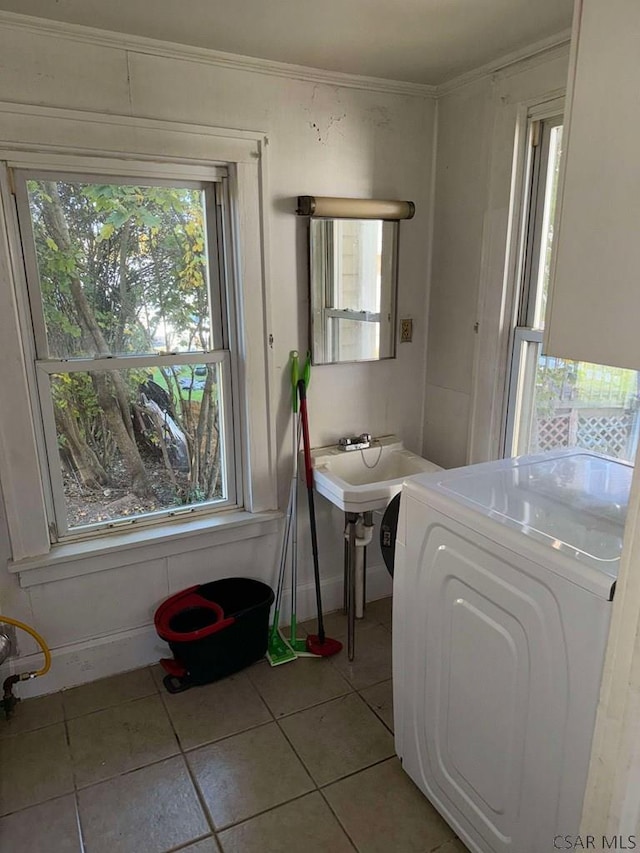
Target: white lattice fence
(608, 434)
(552, 433)
(603, 433)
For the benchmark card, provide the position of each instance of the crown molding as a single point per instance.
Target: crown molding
(190, 53)
(536, 52)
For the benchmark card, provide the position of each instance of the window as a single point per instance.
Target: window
(132, 329)
(552, 402)
(227, 168)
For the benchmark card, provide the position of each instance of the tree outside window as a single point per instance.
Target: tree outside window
(127, 304)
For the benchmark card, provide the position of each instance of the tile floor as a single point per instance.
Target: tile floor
(297, 758)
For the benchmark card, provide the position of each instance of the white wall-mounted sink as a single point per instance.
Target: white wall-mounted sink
(363, 480)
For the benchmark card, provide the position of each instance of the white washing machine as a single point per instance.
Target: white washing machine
(504, 577)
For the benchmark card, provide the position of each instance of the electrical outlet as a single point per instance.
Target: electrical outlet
(406, 331)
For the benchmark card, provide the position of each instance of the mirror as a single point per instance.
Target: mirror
(353, 276)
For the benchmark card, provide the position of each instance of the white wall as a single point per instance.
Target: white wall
(473, 185)
(464, 139)
(323, 140)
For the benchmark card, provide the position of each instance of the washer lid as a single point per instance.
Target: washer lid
(575, 502)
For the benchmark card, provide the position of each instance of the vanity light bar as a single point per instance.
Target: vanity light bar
(354, 208)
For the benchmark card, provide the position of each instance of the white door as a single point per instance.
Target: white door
(487, 686)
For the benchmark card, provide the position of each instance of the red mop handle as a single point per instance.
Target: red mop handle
(302, 391)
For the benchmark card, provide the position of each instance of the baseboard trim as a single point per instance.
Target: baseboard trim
(89, 660)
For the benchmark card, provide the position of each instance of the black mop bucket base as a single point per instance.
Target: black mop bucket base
(213, 630)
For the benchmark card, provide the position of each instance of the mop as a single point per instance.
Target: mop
(317, 644)
(299, 645)
(278, 649)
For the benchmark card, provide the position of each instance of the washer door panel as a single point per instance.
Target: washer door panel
(488, 687)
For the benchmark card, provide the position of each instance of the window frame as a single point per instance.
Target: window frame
(162, 147)
(221, 311)
(516, 98)
(526, 338)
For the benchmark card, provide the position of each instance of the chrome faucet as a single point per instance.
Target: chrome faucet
(355, 442)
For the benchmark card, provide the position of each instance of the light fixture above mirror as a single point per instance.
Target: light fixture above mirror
(354, 208)
(353, 253)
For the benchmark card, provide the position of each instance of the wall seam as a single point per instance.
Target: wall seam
(427, 307)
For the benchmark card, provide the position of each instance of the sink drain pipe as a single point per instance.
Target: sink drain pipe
(358, 533)
(363, 536)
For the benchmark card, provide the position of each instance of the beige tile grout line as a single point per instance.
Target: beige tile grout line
(319, 788)
(185, 752)
(275, 718)
(66, 719)
(196, 787)
(266, 811)
(109, 707)
(29, 731)
(157, 689)
(75, 787)
(188, 844)
(340, 824)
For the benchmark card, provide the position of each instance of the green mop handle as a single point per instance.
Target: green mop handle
(295, 375)
(306, 372)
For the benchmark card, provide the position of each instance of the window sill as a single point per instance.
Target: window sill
(136, 546)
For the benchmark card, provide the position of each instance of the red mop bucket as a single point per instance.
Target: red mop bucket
(213, 630)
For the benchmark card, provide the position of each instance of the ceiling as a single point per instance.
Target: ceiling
(420, 41)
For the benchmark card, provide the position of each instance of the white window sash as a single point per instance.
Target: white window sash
(535, 216)
(86, 142)
(348, 314)
(51, 471)
(213, 200)
(522, 338)
(129, 362)
(62, 529)
(500, 273)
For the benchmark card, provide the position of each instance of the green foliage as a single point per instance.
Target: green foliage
(74, 393)
(131, 262)
(139, 255)
(555, 383)
(561, 383)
